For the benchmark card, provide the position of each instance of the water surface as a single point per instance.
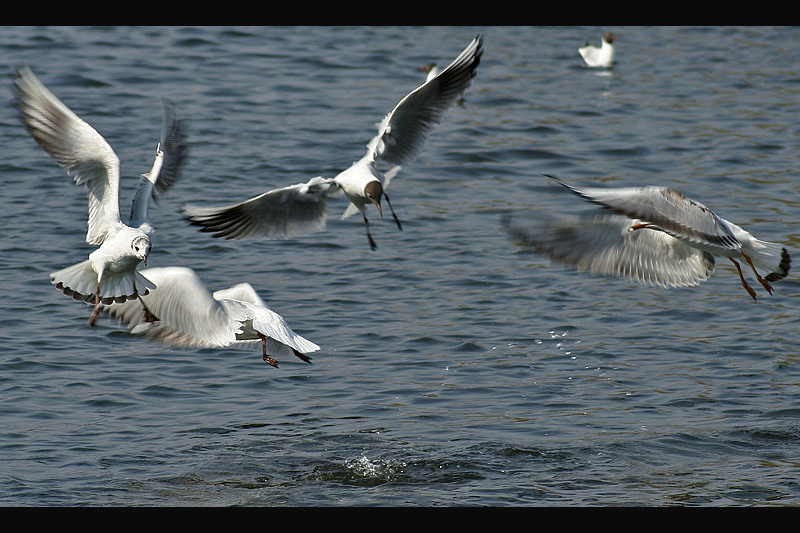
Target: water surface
(456, 367)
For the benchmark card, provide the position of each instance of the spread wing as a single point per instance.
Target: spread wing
(606, 245)
(170, 155)
(671, 211)
(187, 314)
(403, 132)
(76, 146)
(277, 213)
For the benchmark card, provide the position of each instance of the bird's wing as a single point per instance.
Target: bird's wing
(173, 143)
(186, 314)
(671, 211)
(268, 323)
(606, 245)
(403, 132)
(241, 291)
(589, 54)
(170, 155)
(276, 213)
(76, 146)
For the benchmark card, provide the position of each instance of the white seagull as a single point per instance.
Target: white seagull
(189, 315)
(109, 274)
(658, 237)
(430, 70)
(303, 207)
(602, 56)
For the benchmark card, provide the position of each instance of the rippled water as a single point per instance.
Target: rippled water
(456, 367)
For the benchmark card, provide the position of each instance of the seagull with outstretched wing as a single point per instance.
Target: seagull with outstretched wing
(303, 207)
(657, 236)
(189, 315)
(110, 273)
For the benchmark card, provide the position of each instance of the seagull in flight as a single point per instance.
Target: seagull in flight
(657, 236)
(189, 315)
(109, 274)
(602, 56)
(303, 207)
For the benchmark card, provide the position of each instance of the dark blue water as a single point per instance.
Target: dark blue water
(456, 367)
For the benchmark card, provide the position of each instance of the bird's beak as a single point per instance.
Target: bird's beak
(377, 204)
(144, 260)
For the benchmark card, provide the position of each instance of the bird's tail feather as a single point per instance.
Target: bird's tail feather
(771, 258)
(80, 282)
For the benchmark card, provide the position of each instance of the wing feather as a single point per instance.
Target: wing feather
(606, 245)
(403, 132)
(671, 211)
(76, 146)
(276, 213)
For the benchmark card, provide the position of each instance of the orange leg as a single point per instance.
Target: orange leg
(93, 318)
(148, 315)
(744, 283)
(267, 359)
(761, 280)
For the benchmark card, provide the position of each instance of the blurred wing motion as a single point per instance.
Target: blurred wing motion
(184, 313)
(658, 236)
(606, 245)
(669, 210)
(171, 154)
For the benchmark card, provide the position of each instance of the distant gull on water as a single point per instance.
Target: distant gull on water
(430, 70)
(303, 207)
(602, 56)
(657, 236)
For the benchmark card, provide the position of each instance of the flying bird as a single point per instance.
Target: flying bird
(657, 236)
(602, 56)
(303, 207)
(109, 274)
(189, 315)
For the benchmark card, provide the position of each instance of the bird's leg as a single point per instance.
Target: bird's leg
(369, 235)
(399, 226)
(302, 356)
(96, 311)
(148, 315)
(744, 283)
(761, 280)
(267, 359)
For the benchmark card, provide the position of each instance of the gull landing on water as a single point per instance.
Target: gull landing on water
(658, 236)
(191, 316)
(602, 56)
(109, 274)
(303, 207)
